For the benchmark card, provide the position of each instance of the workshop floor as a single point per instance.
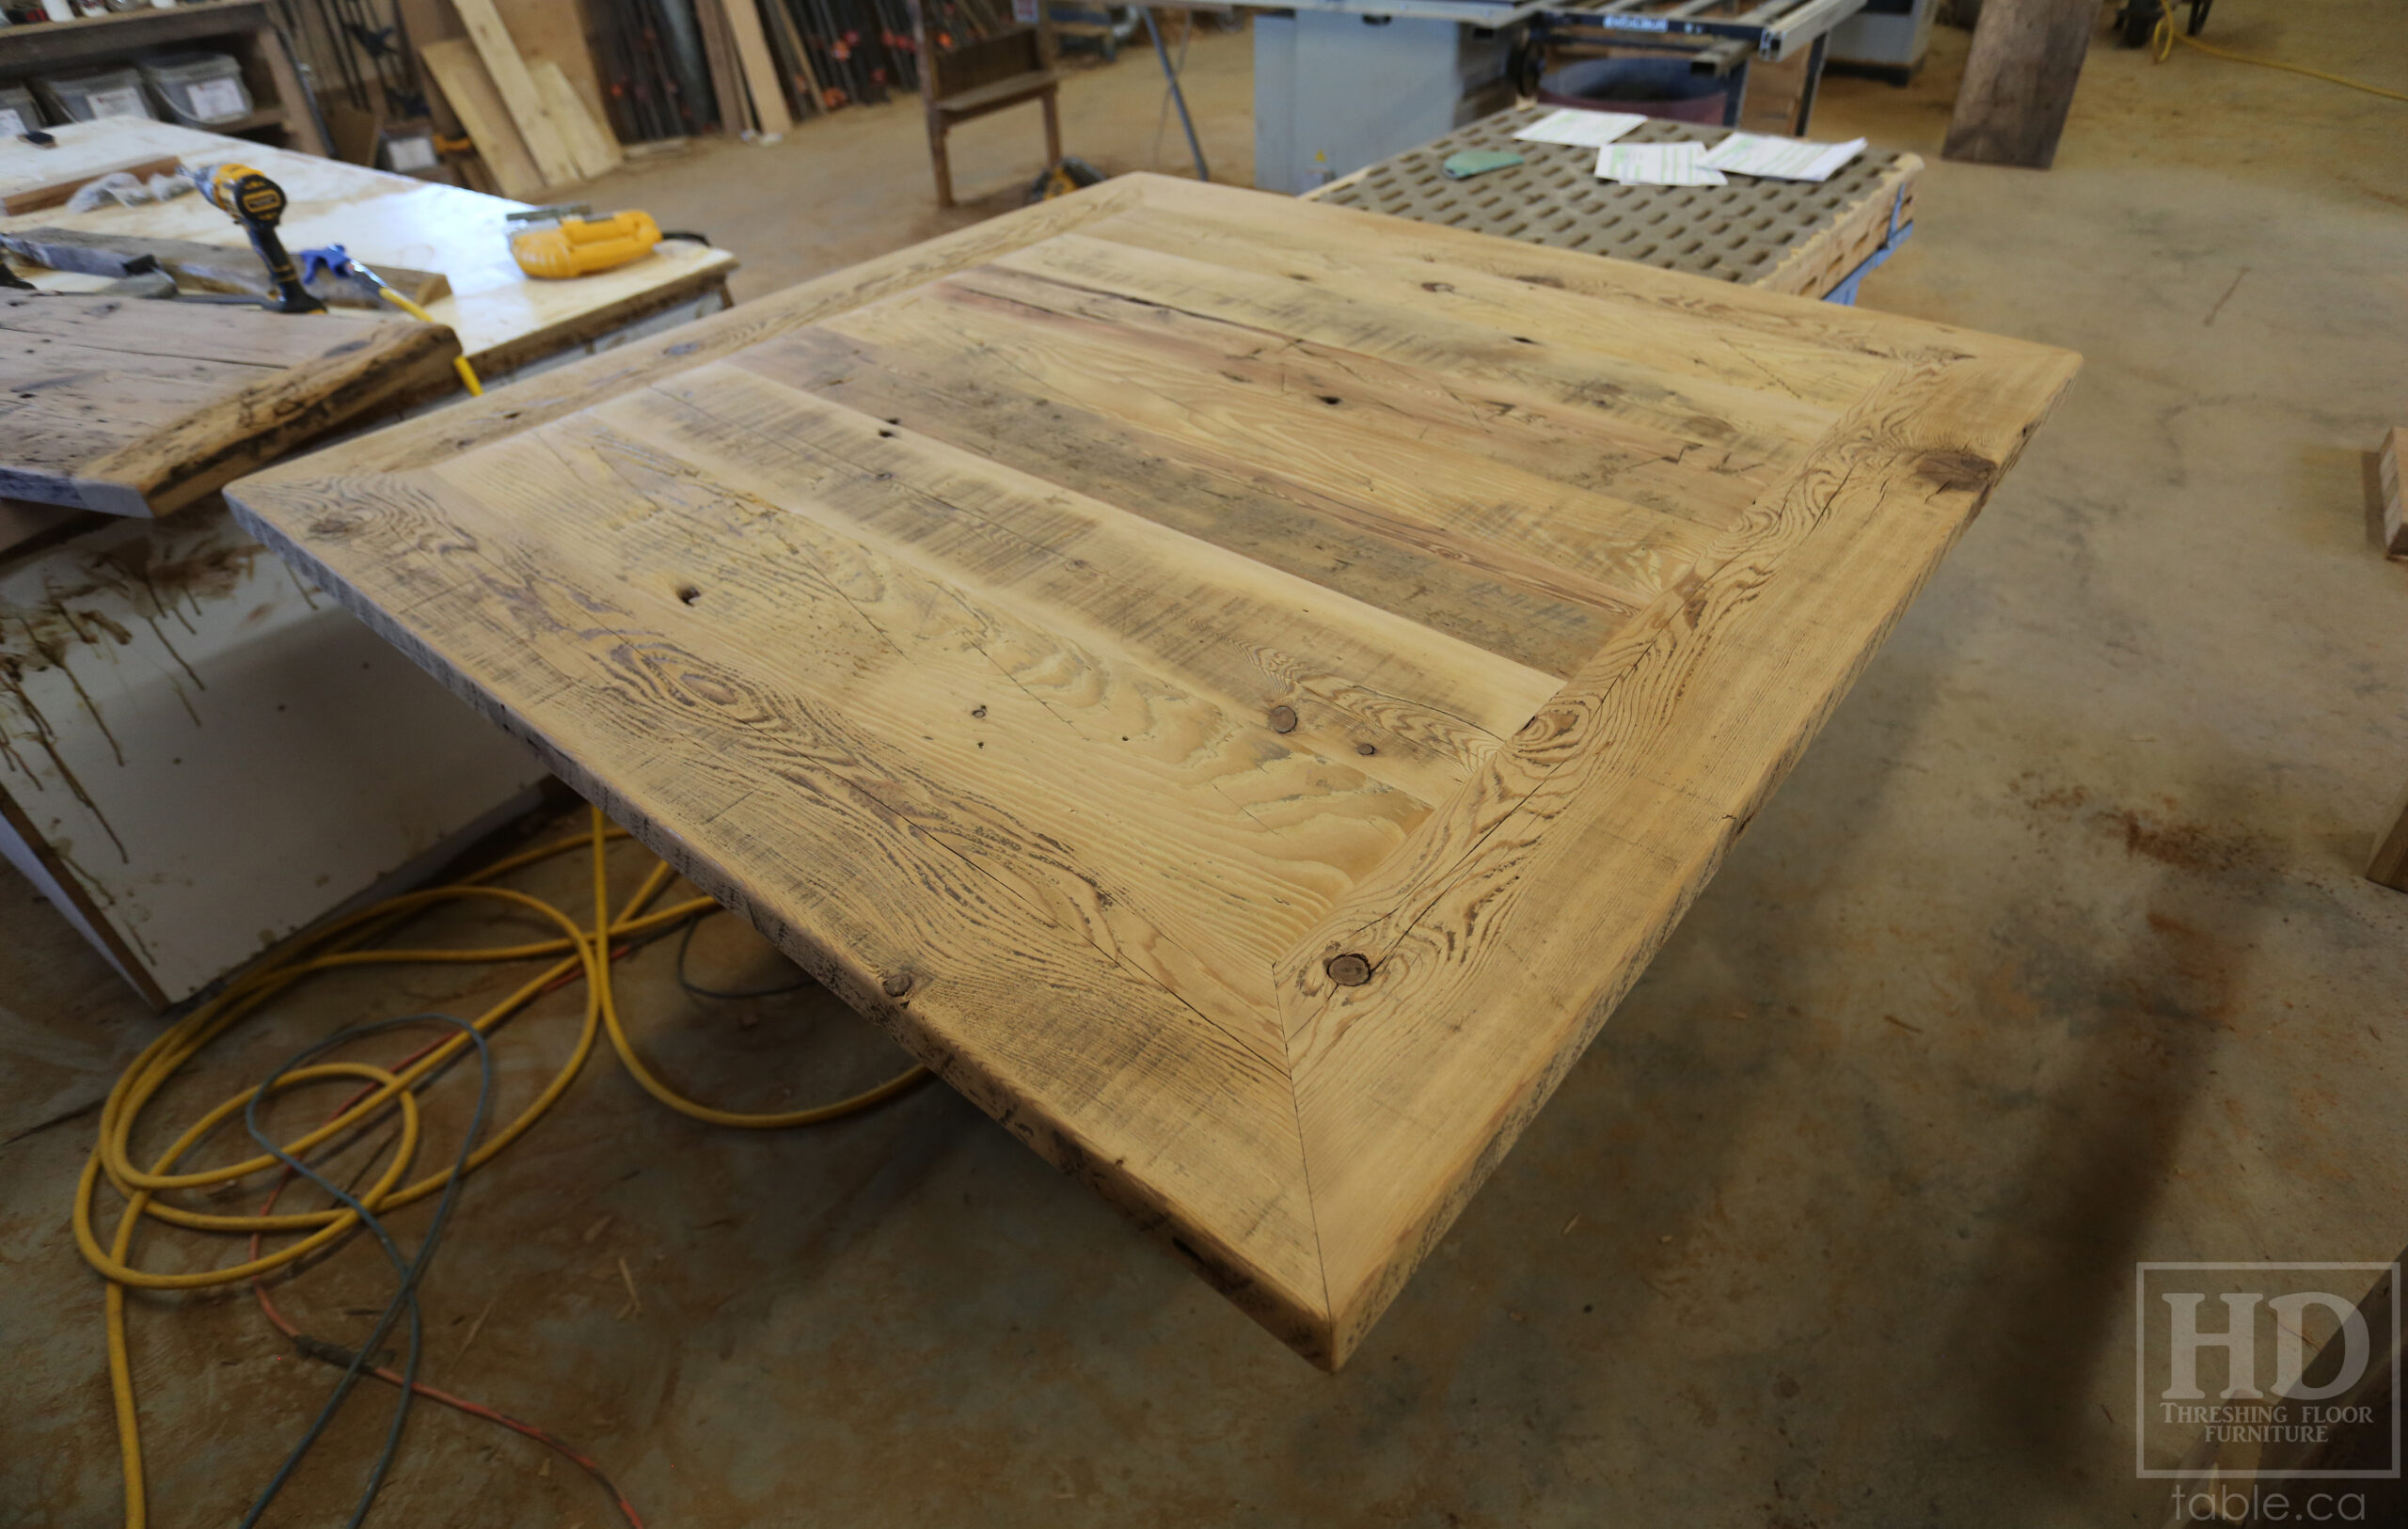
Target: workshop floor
(2052, 955)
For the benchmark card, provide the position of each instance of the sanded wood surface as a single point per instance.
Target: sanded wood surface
(138, 408)
(1241, 687)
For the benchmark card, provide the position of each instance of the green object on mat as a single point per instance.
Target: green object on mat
(1473, 162)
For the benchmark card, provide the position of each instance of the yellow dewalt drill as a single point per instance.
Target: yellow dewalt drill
(256, 202)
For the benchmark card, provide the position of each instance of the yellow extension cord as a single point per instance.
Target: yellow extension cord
(336, 947)
(459, 363)
(2167, 34)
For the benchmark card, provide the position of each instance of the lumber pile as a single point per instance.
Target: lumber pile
(547, 90)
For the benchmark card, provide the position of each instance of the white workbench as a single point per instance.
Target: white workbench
(198, 753)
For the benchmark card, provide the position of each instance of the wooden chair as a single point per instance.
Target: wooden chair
(985, 76)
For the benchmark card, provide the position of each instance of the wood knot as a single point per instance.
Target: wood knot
(1282, 719)
(1551, 723)
(1956, 472)
(334, 525)
(1349, 970)
(896, 984)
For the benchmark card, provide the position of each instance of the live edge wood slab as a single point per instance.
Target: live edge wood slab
(1240, 686)
(133, 407)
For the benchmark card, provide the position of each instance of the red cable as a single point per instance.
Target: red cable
(548, 1440)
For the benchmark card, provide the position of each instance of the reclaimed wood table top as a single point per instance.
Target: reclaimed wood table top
(138, 408)
(1241, 687)
(504, 318)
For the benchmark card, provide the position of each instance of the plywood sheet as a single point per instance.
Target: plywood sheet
(138, 408)
(1241, 687)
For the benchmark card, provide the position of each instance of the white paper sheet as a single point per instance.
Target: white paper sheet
(1586, 130)
(1657, 164)
(1781, 159)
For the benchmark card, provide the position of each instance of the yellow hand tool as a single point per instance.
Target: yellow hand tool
(256, 202)
(554, 244)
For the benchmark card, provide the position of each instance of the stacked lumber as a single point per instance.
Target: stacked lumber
(547, 90)
(510, 90)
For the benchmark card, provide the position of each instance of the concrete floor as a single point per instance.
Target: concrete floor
(2052, 955)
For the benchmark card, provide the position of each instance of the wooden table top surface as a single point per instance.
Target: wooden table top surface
(1240, 686)
(503, 318)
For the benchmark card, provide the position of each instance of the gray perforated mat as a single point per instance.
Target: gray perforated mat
(1741, 231)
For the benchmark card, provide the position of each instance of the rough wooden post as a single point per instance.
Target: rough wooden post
(2020, 79)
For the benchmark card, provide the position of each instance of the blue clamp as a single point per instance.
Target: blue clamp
(328, 261)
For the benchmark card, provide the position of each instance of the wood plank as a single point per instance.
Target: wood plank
(1346, 543)
(2020, 81)
(1679, 391)
(759, 65)
(554, 32)
(726, 70)
(589, 143)
(771, 624)
(2391, 469)
(461, 75)
(1428, 707)
(140, 408)
(516, 88)
(1405, 463)
(1635, 477)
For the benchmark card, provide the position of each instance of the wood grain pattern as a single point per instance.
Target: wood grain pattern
(1268, 675)
(2019, 81)
(138, 408)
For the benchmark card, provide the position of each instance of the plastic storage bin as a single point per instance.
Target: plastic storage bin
(87, 98)
(199, 90)
(17, 110)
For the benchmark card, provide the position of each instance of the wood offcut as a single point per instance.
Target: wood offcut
(1240, 686)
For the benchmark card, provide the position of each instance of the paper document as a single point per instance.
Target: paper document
(1657, 164)
(1588, 130)
(1781, 159)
